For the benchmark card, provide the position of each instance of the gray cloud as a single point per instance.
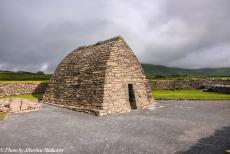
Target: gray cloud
(36, 35)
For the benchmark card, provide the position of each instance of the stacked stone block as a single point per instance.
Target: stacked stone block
(186, 84)
(24, 87)
(94, 79)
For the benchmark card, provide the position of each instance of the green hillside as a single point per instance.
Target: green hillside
(23, 76)
(158, 71)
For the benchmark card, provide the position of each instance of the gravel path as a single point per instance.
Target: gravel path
(174, 127)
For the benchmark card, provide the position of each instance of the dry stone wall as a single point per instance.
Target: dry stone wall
(17, 88)
(123, 68)
(94, 79)
(219, 88)
(186, 84)
(78, 80)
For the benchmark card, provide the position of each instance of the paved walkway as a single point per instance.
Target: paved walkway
(175, 127)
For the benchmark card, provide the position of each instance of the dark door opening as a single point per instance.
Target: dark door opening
(132, 99)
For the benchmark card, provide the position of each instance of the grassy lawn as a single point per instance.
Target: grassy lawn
(188, 95)
(27, 96)
(2, 115)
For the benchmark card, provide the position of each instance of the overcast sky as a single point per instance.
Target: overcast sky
(38, 34)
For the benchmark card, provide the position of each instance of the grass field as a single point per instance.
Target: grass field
(188, 95)
(27, 96)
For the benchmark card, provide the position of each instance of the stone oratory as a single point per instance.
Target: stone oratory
(100, 79)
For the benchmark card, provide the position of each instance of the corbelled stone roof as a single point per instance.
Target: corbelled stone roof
(111, 40)
(94, 78)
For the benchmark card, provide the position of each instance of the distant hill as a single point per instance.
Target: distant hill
(152, 72)
(158, 70)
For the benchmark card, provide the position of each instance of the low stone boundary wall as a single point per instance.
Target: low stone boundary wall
(219, 88)
(18, 88)
(186, 84)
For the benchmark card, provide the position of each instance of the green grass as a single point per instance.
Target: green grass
(2, 115)
(188, 95)
(27, 96)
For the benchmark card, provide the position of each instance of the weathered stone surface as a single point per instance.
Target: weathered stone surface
(4, 109)
(24, 106)
(18, 105)
(17, 88)
(94, 79)
(218, 88)
(15, 105)
(186, 84)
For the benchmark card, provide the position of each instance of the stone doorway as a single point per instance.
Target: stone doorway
(132, 99)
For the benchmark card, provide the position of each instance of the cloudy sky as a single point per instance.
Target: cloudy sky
(38, 34)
